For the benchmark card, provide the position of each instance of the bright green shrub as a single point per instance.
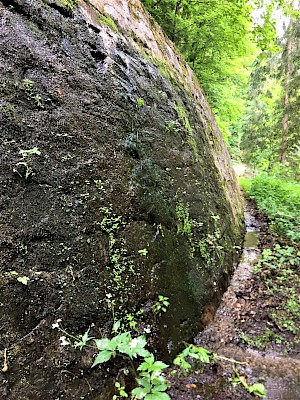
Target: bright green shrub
(280, 200)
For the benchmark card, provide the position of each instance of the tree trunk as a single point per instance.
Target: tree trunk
(288, 72)
(176, 11)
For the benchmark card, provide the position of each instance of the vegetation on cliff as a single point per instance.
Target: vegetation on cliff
(121, 215)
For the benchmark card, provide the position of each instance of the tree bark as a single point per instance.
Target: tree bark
(288, 73)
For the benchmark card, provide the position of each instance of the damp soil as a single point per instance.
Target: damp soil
(245, 332)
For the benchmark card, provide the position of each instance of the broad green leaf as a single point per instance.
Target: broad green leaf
(143, 352)
(160, 388)
(139, 393)
(122, 338)
(143, 367)
(157, 396)
(258, 389)
(144, 382)
(203, 355)
(159, 380)
(23, 279)
(186, 351)
(103, 344)
(138, 342)
(126, 349)
(160, 364)
(150, 359)
(102, 357)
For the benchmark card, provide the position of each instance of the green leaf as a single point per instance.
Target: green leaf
(138, 346)
(186, 351)
(116, 326)
(126, 349)
(85, 337)
(258, 389)
(23, 279)
(182, 363)
(138, 342)
(203, 354)
(103, 344)
(143, 352)
(140, 393)
(144, 381)
(158, 380)
(160, 388)
(150, 360)
(160, 365)
(143, 367)
(122, 338)
(158, 396)
(102, 357)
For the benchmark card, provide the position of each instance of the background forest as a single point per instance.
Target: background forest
(246, 55)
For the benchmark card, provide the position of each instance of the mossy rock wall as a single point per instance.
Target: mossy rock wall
(108, 147)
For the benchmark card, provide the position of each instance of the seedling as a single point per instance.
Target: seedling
(161, 305)
(257, 389)
(198, 353)
(140, 102)
(121, 390)
(26, 161)
(143, 252)
(23, 279)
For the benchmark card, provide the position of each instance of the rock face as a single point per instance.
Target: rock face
(115, 188)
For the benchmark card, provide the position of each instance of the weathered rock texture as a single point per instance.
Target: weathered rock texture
(108, 147)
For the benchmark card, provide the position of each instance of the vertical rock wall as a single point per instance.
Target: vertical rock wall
(115, 187)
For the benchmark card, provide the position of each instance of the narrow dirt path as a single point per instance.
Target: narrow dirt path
(243, 330)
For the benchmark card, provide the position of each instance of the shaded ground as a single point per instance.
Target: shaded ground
(257, 325)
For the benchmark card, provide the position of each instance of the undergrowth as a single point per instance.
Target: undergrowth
(280, 200)
(279, 270)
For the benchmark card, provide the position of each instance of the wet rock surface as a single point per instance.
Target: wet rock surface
(108, 147)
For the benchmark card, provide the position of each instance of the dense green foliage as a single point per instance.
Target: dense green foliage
(215, 39)
(220, 41)
(261, 142)
(271, 136)
(280, 200)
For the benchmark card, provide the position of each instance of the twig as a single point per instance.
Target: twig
(5, 365)
(228, 359)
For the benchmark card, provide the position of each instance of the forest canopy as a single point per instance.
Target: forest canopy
(249, 72)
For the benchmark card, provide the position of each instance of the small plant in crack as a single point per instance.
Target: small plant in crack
(140, 102)
(161, 305)
(194, 352)
(24, 168)
(257, 389)
(31, 93)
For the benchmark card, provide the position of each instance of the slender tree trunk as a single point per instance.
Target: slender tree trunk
(288, 73)
(176, 11)
(285, 121)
